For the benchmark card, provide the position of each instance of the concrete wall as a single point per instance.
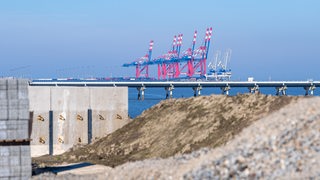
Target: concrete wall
(70, 106)
(15, 159)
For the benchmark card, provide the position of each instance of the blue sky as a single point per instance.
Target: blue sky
(278, 40)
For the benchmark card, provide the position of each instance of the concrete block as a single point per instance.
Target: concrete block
(23, 103)
(19, 134)
(11, 134)
(16, 178)
(13, 114)
(23, 125)
(12, 84)
(3, 94)
(12, 125)
(15, 171)
(26, 168)
(14, 150)
(23, 89)
(4, 172)
(13, 107)
(4, 115)
(26, 172)
(23, 111)
(3, 126)
(3, 134)
(13, 104)
(4, 104)
(14, 161)
(22, 134)
(23, 93)
(12, 94)
(23, 82)
(4, 161)
(3, 84)
(4, 151)
(25, 161)
(25, 150)
(23, 114)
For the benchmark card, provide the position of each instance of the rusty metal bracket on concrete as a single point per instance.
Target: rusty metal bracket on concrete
(40, 118)
(79, 117)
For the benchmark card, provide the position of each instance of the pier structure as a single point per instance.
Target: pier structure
(225, 86)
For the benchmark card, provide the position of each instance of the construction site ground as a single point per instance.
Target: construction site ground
(171, 128)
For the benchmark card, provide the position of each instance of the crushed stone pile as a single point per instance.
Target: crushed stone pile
(173, 127)
(285, 145)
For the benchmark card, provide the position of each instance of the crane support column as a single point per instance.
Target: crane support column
(281, 90)
(311, 89)
(197, 91)
(225, 90)
(169, 91)
(141, 92)
(254, 89)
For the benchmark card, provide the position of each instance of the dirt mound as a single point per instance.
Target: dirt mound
(175, 126)
(282, 145)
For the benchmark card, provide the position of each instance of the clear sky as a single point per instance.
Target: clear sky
(274, 39)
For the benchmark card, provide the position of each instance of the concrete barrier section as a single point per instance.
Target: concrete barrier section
(79, 115)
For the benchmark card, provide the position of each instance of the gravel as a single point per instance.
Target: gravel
(283, 145)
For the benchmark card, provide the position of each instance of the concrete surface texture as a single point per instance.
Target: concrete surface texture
(15, 159)
(70, 107)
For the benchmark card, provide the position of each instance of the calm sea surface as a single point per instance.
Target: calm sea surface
(155, 95)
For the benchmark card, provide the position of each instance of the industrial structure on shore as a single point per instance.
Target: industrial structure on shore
(182, 69)
(178, 64)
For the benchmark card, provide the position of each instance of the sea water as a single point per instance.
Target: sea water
(155, 95)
